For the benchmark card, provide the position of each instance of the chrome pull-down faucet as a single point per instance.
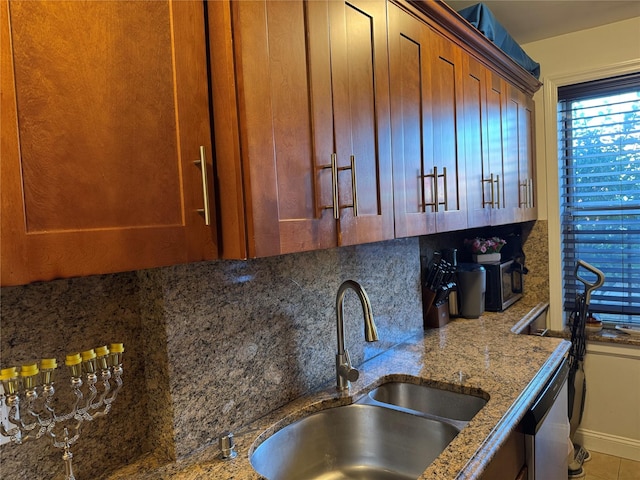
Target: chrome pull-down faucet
(345, 373)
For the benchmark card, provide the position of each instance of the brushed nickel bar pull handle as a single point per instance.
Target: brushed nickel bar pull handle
(525, 201)
(493, 192)
(354, 186)
(422, 201)
(426, 204)
(334, 186)
(205, 187)
(530, 193)
(436, 194)
(498, 191)
(490, 182)
(444, 184)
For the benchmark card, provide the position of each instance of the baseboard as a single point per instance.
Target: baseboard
(610, 444)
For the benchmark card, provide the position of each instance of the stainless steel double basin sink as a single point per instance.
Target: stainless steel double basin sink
(394, 432)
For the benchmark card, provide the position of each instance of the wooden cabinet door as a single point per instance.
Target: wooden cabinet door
(493, 128)
(505, 196)
(526, 160)
(104, 111)
(511, 161)
(520, 158)
(427, 128)
(296, 86)
(482, 131)
(509, 460)
(273, 187)
(362, 131)
(411, 130)
(445, 95)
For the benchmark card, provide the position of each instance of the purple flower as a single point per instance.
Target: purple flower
(485, 245)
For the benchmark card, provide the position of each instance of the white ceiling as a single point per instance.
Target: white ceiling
(531, 20)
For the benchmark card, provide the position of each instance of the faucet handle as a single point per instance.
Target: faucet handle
(349, 373)
(345, 372)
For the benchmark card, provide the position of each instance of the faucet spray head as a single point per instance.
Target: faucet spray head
(370, 329)
(371, 333)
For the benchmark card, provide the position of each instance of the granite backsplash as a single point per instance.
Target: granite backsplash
(212, 346)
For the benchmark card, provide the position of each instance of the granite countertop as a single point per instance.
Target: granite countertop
(606, 335)
(473, 356)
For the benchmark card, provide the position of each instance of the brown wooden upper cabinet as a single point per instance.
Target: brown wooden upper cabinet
(427, 128)
(107, 162)
(492, 170)
(528, 209)
(481, 181)
(499, 148)
(519, 144)
(301, 121)
(104, 118)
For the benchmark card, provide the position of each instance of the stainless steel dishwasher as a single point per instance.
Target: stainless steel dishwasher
(546, 429)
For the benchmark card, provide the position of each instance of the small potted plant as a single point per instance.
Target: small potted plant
(485, 250)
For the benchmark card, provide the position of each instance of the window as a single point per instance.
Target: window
(599, 147)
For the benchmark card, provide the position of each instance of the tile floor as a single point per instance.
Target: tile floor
(608, 467)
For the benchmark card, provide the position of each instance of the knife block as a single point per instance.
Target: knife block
(428, 296)
(437, 316)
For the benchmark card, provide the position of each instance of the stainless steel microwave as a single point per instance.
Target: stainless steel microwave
(505, 283)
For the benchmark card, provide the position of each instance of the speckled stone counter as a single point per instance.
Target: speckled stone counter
(472, 356)
(606, 335)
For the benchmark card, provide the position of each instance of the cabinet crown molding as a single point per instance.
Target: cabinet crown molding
(449, 23)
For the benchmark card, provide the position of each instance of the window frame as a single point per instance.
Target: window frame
(548, 179)
(576, 242)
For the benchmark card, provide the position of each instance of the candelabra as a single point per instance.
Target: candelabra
(29, 395)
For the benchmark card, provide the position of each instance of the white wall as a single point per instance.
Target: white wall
(611, 418)
(611, 422)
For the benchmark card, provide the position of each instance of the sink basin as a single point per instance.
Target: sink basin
(355, 442)
(429, 400)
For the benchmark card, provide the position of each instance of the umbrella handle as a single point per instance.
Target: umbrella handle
(589, 287)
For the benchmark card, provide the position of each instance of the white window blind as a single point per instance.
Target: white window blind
(599, 147)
